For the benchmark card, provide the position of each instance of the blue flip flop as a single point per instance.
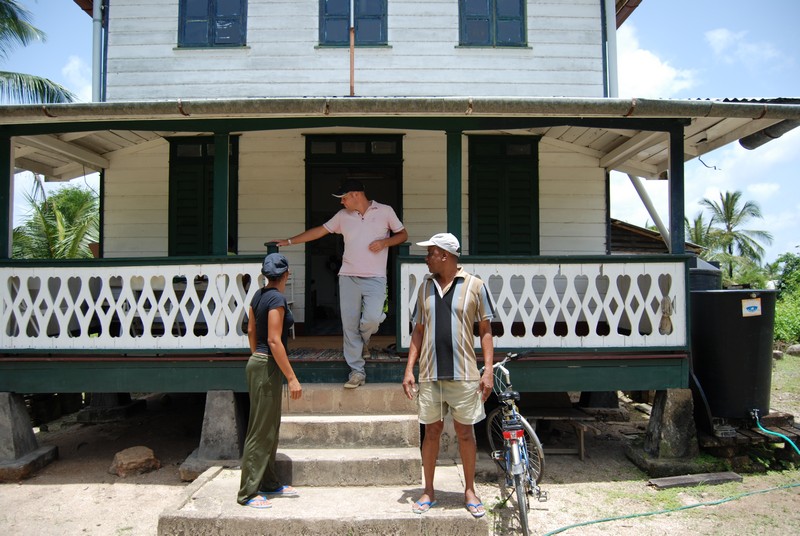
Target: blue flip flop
(259, 501)
(477, 513)
(283, 491)
(424, 506)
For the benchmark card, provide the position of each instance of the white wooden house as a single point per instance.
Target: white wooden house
(493, 120)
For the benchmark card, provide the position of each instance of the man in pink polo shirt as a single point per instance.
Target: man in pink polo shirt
(369, 229)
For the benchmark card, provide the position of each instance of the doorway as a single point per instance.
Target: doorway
(377, 162)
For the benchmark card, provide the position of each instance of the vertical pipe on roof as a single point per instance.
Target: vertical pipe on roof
(97, 49)
(352, 34)
(610, 17)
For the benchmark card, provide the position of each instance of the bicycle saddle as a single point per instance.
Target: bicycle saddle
(509, 395)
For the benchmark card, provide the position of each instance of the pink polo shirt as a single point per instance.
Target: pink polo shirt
(359, 232)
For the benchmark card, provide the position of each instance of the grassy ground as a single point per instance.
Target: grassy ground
(786, 385)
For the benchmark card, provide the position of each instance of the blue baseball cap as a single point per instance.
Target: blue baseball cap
(274, 265)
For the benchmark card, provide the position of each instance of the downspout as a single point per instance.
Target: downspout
(352, 33)
(609, 14)
(648, 204)
(97, 50)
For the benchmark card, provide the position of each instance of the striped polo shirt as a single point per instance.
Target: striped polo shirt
(449, 314)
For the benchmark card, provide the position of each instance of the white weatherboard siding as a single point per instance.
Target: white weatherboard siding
(135, 197)
(283, 57)
(572, 212)
(272, 198)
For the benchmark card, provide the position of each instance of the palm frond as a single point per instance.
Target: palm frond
(30, 89)
(16, 28)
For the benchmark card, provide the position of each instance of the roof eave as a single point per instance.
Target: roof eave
(397, 106)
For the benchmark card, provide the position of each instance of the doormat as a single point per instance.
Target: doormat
(318, 354)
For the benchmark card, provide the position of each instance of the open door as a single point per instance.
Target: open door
(377, 162)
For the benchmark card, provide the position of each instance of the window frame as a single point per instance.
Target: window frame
(383, 16)
(212, 18)
(493, 20)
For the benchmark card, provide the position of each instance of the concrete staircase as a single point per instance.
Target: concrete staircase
(350, 437)
(354, 455)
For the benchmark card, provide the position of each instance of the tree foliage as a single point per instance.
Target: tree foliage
(16, 30)
(58, 227)
(728, 240)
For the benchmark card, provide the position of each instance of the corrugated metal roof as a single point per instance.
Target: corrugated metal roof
(711, 123)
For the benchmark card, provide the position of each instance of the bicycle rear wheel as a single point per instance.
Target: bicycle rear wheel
(494, 431)
(522, 504)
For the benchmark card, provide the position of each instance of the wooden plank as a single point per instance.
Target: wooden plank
(695, 480)
(558, 414)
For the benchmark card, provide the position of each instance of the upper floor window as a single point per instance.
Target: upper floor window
(212, 23)
(498, 23)
(369, 22)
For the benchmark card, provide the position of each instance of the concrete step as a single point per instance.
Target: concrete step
(331, 431)
(208, 506)
(369, 399)
(349, 467)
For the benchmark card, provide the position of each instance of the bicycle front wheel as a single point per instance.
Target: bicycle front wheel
(494, 431)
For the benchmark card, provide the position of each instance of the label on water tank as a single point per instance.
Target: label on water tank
(751, 307)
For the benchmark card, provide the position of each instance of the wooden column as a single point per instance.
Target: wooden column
(6, 195)
(454, 184)
(219, 233)
(677, 231)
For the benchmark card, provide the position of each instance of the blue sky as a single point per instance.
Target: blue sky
(668, 49)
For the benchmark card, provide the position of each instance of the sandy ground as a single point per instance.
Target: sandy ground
(76, 494)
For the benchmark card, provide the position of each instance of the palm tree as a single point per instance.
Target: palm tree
(58, 227)
(729, 216)
(15, 30)
(702, 233)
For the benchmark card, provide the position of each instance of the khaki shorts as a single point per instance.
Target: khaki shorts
(460, 398)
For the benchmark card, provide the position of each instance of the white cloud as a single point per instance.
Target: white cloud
(763, 190)
(643, 74)
(79, 78)
(734, 48)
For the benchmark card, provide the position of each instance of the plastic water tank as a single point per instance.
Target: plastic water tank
(732, 332)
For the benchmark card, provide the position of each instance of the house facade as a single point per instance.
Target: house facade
(489, 119)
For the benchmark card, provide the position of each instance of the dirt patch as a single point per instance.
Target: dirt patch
(77, 495)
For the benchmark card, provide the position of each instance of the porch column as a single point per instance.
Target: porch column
(219, 232)
(6, 195)
(454, 183)
(677, 231)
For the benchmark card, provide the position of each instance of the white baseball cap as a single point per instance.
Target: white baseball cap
(444, 241)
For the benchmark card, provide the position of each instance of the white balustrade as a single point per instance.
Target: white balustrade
(147, 308)
(574, 305)
(201, 307)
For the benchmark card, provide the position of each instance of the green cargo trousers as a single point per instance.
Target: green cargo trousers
(264, 382)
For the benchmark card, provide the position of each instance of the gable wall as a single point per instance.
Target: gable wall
(282, 56)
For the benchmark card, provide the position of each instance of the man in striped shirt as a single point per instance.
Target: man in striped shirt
(450, 302)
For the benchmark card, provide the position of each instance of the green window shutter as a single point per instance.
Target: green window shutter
(191, 196)
(503, 196)
(190, 209)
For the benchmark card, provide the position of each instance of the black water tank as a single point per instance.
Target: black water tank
(732, 332)
(704, 275)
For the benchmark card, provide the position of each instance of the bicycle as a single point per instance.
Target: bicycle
(514, 444)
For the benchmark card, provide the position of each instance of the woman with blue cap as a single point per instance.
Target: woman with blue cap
(268, 326)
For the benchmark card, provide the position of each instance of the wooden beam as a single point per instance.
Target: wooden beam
(629, 148)
(77, 153)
